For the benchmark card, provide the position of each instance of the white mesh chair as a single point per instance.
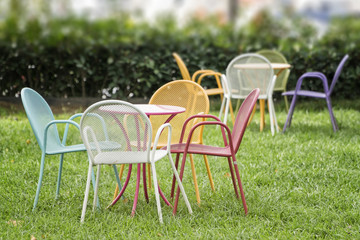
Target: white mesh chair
(131, 129)
(245, 73)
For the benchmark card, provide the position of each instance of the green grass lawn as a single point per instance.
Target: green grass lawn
(298, 185)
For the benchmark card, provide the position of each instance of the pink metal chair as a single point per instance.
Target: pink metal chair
(232, 142)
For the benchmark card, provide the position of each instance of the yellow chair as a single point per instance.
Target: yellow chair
(193, 98)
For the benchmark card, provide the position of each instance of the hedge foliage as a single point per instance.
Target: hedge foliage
(120, 58)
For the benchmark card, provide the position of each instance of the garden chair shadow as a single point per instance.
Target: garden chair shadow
(131, 129)
(45, 129)
(326, 94)
(231, 140)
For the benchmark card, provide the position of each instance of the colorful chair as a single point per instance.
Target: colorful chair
(325, 95)
(281, 79)
(199, 75)
(44, 126)
(193, 98)
(231, 140)
(134, 140)
(244, 73)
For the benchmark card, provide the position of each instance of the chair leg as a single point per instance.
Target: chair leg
(271, 114)
(178, 189)
(233, 177)
(290, 113)
(59, 176)
(332, 117)
(86, 193)
(262, 114)
(286, 103)
(240, 185)
(117, 178)
(156, 189)
(180, 184)
(231, 112)
(193, 171)
(209, 173)
(40, 180)
(96, 187)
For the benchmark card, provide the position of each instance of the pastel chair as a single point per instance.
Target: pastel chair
(131, 129)
(326, 94)
(231, 141)
(45, 129)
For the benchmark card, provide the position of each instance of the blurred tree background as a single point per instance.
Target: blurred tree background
(118, 57)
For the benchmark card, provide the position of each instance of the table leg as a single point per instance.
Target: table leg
(123, 188)
(144, 183)
(262, 114)
(137, 189)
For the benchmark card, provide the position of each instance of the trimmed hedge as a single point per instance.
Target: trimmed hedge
(117, 58)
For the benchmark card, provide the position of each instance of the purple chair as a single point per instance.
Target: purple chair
(326, 94)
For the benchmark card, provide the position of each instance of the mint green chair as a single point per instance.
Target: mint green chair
(44, 126)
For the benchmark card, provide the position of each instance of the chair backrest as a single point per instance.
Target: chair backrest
(249, 71)
(183, 93)
(183, 69)
(242, 117)
(39, 115)
(112, 125)
(276, 57)
(337, 73)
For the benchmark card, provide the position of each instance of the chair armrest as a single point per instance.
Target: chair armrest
(194, 76)
(76, 115)
(67, 125)
(217, 76)
(192, 117)
(157, 136)
(319, 75)
(227, 141)
(56, 122)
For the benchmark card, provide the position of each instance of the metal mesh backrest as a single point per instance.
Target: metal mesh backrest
(249, 71)
(183, 93)
(183, 69)
(242, 118)
(39, 115)
(114, 125)
(276, 57)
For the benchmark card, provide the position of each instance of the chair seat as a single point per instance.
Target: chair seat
(81, 147)
(305, 93)
(201, 149)
(121, 157)
(214, 91)
(66, 149)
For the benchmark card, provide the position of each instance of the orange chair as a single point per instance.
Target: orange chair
(199, 75)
